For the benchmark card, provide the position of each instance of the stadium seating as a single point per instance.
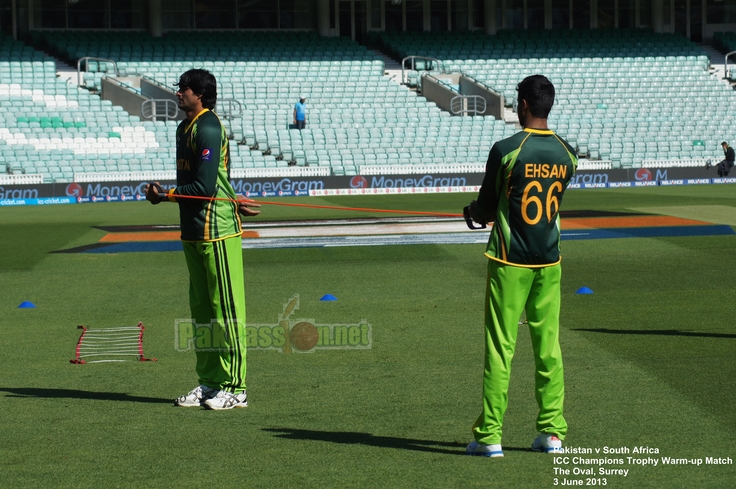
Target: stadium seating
(614, 99)
(622, 95)
(356, 117)
(51, 128)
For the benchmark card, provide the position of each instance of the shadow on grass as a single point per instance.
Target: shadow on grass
(656, 332)
(26, 392)
(367, 439)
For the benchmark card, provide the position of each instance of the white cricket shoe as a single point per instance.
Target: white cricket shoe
(196, 397)
(227, 400)
(475, 448)
(548, 443)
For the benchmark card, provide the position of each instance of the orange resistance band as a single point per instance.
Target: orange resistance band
(314, 206)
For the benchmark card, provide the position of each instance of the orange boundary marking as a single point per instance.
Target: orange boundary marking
(141, 236)
(626, 222)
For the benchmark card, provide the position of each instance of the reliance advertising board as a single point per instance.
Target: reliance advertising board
(303, 186)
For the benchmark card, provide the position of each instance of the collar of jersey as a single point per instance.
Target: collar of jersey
(197, 117)
(538, 131)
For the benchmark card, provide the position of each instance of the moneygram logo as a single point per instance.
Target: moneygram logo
(288, 335)
(643, 175)
(646, 175)
(74, 190)
(358, 182)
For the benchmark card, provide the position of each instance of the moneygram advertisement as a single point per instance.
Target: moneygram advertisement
(70, 193)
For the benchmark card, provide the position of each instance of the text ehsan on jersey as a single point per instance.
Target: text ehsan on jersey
(544, 170)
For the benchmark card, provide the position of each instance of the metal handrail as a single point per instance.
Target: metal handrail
(461, 104)
(413, 65)
(477, 82)
(126, 86)
(228, 113)
(440, 82)
(725, 68)
(150, 109)
(156, 82)
(87, 59)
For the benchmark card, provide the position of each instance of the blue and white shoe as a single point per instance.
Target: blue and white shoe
(547, 443)
(196, 397)
(475, 448)
(226, 400)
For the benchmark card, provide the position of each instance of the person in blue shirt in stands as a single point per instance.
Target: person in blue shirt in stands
(300, 113)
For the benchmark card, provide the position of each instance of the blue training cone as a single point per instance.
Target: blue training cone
(328, 297)
(584, 290)
(26, 305)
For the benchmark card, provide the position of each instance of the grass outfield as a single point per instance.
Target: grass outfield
(649, 358)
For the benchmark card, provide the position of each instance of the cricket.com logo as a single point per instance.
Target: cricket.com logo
(287, 335)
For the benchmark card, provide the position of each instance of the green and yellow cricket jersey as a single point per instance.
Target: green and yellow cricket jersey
(526, 176)
(202, 169)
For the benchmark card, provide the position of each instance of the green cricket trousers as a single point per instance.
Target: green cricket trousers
(217, 298)
(510, 291)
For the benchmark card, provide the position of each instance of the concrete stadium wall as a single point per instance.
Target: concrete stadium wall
(435, 91)
(122, 96)
(494, 100)
(438, 93)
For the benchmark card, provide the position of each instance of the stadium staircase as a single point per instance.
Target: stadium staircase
(717, 61)
(392, 68)
(66, 72)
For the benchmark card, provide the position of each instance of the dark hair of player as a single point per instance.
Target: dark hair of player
(539, 94)
(203, 83)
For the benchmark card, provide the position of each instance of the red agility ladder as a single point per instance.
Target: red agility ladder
(110, 345)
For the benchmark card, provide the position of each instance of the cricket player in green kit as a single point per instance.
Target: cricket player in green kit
(526, 176)
(211, 237)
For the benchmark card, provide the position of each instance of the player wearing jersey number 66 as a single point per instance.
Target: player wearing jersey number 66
(526, 176)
